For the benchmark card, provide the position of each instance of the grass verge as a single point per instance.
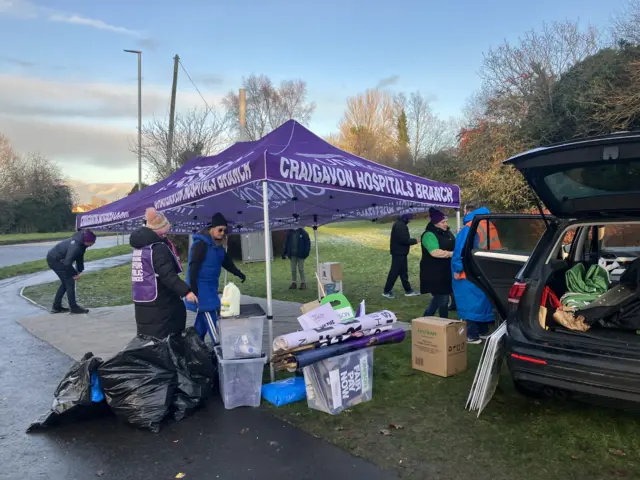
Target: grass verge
(18, 238)
(515, 437)
(41, 265)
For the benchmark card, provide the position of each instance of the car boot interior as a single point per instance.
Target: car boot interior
(593, 289)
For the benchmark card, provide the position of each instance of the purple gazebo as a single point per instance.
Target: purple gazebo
(290, 177)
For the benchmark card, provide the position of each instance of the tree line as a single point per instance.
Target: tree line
(34, 196)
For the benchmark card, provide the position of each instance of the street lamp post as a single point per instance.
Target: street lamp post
(139, 53)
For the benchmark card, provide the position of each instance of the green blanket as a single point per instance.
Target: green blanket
(584, 287)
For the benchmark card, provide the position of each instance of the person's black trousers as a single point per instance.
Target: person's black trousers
(67, 285)
(399, 268)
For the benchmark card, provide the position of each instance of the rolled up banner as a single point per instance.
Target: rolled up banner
(325, 335)
(304, 358)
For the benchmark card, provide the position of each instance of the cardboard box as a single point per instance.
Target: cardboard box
(330, 272)
(439, 346)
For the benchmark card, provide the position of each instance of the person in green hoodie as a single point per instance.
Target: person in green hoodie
(437, 244)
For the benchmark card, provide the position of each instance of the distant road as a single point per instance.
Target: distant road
(27, 252)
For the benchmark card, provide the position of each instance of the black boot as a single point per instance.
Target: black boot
(77, 310)
(55, 309)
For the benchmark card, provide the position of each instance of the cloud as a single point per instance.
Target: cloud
(23, 95)
(91, 22)
(148, 43)
(69, 142)
(28, 9)
(388, 81)
(19, 8)
(76, 123)
(17, 61)
(210, 80)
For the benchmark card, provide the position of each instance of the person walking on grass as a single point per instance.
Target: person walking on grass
(297, 246)
(400, 243)
(207, 258)
(156, 286)
(473, 304)
(437, 244)
(61, 259)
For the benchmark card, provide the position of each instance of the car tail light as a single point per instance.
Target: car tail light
(516, 292)
(524, 358)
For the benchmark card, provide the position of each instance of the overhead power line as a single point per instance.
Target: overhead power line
(195, 86)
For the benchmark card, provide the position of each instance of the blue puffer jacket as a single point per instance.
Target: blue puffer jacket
(472, 303)
(208, 276)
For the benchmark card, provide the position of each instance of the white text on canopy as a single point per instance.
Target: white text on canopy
(373, 182)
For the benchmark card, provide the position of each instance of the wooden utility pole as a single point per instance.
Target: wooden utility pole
(172, 109)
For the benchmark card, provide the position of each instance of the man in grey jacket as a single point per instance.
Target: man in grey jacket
(61, 260)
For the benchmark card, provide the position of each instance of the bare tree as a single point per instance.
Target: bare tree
(268, 106)
(427, 132)
(201, 132)
(292, 103)
(10, 166)
(515, 76)
(626, 23)
(368, 127)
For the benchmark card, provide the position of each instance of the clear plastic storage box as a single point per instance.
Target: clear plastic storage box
(241, 336)
(240, 380)
(341, 382)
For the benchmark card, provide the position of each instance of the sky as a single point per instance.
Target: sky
(69, 91)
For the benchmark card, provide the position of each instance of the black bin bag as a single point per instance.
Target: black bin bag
(195, 372)
(72, 400)
(139, 382)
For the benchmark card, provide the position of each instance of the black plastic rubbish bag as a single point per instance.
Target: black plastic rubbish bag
(139, 382)
(72, 400)
(195, 372)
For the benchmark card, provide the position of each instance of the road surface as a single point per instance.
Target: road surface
(28, 252)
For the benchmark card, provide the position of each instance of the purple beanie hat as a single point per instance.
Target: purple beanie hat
(436, 216)
(88, 237)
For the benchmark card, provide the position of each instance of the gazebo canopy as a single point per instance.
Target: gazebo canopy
(309, 182)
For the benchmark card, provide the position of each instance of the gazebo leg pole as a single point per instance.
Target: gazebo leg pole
(458, 219)
(315, 241)
(267, 254)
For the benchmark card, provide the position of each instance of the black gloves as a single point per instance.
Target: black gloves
(242, 277)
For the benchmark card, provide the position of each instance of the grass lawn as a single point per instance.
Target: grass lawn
(514, 438)
(40, 265)
(17, 238)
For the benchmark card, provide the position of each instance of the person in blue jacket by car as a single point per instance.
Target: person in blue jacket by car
(473, 305)
(207, 258)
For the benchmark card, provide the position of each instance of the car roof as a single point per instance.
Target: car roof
(612, 138)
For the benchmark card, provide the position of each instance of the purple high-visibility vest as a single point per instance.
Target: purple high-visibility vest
(144, 279)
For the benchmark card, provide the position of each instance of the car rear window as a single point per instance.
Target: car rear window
(601, 179)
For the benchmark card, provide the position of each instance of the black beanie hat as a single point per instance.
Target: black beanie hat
(218, 220)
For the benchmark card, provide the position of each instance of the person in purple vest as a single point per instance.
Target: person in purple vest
(156, 286)
(207, 258)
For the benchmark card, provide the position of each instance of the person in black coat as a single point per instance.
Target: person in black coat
(297, 246)
(61, 259)
(437, 244)
(157, 288)
(399, 245)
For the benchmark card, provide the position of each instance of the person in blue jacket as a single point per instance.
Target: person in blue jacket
(207, 258)
(473, 305)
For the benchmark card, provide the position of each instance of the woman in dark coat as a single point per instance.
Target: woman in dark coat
(437, 245)
(156, 286)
